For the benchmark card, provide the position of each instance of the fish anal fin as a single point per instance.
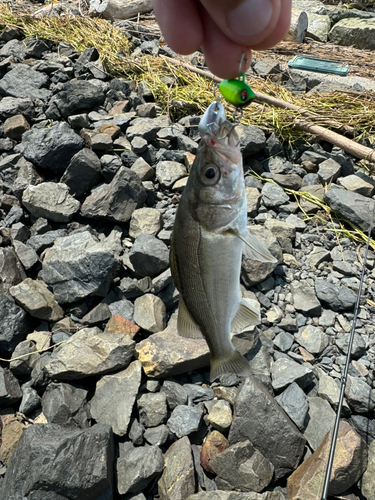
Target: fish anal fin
(233, 363)
(246, 316)
(253, 249)
(186, 326)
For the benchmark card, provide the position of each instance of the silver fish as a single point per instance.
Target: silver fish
(209, 236)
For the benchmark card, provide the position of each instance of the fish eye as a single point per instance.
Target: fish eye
(210, 174)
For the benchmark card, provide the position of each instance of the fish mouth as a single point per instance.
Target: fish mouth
(212, 120)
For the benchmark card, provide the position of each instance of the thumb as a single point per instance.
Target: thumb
(246, 22)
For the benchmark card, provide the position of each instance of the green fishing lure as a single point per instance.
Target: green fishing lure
(237, 91)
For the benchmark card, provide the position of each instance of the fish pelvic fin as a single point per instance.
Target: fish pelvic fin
(253, 249)
(186, 326)
(233, 363)
(246, 316)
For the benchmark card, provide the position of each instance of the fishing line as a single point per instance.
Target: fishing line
(347, 363)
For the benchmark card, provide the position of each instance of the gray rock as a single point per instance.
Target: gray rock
(359, 183)
(185, 420)
(50, 200)
(149, 256)
(82, 173)
(355, 32)
(175, 393)
(30, 400)
(197, 393)
(26, 254)
(337, 298)
(75, 96)
(316, 191)
(168, 172)
(253, 200)
(100, 353)
(10, 106)
(285, 371)
(85, 466)
(358, 347)
(360, 396)
(97, 315)
(355, 207)
(40, 242)
(157, 435)
(114, 398)
(14, 323)
(150, 313)
(137, 467)
(115, 201)
(152, 409)
(24, 358)
(318, 26)
(284, 233)
(136, 431)
(283, 341)
(220, 416)
(252, 139)
(145, 220)
(178, 479)
(288, 181)
(266, 66)
(37, 300)
(132, 287)
(50, 148)
(295, 404)
(24, 82)
(123, 307)
(10, 269)
(318, 255)
(305, 299)
(10, 391)
(329, 389)
(319, 421)
(242, 467)
(273, 195)
(77, 266)
(312, 338)
(256, 415)
(254, 272)
(65, 404)
(143, 170)
(364, 426)
(146, 127)
(279, 166)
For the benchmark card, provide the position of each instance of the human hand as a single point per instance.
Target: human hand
(225, 29)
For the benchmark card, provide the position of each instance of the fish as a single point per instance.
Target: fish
(208, 239)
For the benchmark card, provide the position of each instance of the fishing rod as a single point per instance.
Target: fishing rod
(346, 369)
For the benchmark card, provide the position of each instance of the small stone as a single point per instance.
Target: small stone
(143, 170)
(253, 197)
(220, 416)
(157, 435)
(168, 172)
(149, 255)
(337, 298)
(15, 126)
(318, 255)
(358, 183)
(320, 420)
(329, 390)
(26, 254)
(175, 393)
(273, 195)
(358, 347)
(329, 171)
(185, 420)
(152, 408)
(312, 338)
(367, 482)
(286, 371)
(295, 403)
(26, 351)
(114, 398)
(137, 468)
(37, 300)
(242, 467)
(283, 341)
(119, 324)
(150, 313)
(10, 435)
(360, 396)
(30, 400)
(65, 404)
(305, 299)
(145, 220)
(214, 443)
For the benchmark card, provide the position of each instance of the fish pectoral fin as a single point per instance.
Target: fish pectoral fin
(186, 326)
(246, 316)
(253, 249)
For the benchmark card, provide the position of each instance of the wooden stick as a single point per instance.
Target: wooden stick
(336, 139)
(346, 144)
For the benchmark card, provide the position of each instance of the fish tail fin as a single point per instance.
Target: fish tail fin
(233, 363)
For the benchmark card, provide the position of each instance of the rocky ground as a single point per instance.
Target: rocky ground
(121, 407)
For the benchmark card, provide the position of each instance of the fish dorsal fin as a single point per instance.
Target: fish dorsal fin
(253, 249)
(186, 326)
(246, 316)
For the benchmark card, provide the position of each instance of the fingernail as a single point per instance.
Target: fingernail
(250, 17)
